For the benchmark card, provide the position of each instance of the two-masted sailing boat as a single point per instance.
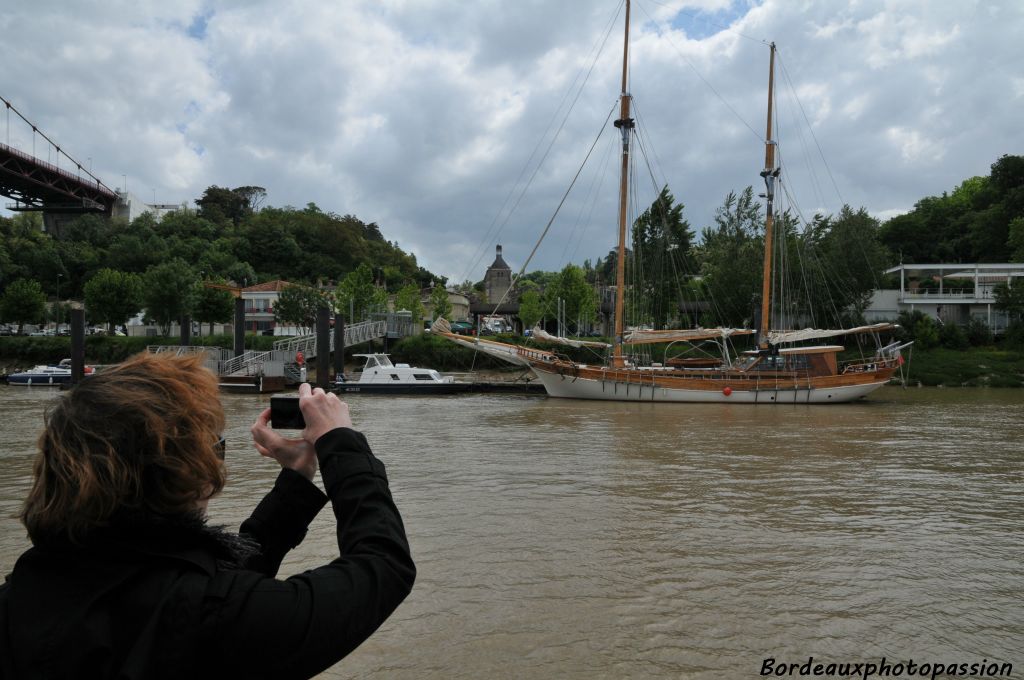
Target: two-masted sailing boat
(777, 371)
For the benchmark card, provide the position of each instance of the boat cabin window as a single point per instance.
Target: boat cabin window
(394, 376)
(797, 362)
(422, 376)
(772, 363)
(789, 362)
(744, 362)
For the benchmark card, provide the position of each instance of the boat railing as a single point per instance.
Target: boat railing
(536, 354)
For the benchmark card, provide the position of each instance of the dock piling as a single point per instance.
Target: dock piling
(77, 345)
(323, 347)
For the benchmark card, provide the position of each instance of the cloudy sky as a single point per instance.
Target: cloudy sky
(459, 125)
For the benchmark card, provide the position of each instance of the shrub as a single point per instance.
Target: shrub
(926, 333)
(952, 336)
(1014, 337)
(978, 333)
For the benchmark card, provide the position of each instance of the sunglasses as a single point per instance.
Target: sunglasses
(221, 447)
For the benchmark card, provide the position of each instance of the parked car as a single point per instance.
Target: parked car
(462, 327)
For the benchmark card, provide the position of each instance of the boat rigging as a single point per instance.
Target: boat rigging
(771, 373)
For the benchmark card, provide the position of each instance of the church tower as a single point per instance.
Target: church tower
(498, 278)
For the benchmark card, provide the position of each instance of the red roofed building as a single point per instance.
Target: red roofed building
(259, 308)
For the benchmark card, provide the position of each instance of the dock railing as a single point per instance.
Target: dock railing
(355, 334)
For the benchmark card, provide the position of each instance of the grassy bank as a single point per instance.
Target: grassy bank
(975, 367)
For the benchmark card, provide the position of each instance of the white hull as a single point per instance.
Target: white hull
(567, 387)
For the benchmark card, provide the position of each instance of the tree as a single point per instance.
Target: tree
(112, 296)
(1015, 242)
(577, 295)
(439, 303)
(23, 302)
(1010, 299)
(408, 298)
(530, 310)
(926, 333)
(219, 204)
(299, 305)
(661, 247)
(214, 305)
(732, 255)
(843, 259)
(357, 295)
(169, 292)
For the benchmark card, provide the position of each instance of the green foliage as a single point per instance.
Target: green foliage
(844, 259)
(408, 298)
(578, 296)
(231, 236)
(968, 368)
(661, 247)
(431, 351)
(952, 335)
(23, 302)
(169, 292)
(112, 296)
(213, 305)
(1014, 336)
(978, 333)
(1015, 241)
(219, 204)
(926, 333)
(1009, 299)
(357, 295)
(439, 304)
(530, 310)
(298, 305)
(731, 255)
(972, 224)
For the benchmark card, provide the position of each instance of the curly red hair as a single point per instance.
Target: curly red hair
(140, 437)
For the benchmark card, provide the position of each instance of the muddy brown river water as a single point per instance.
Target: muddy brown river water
(569, 539)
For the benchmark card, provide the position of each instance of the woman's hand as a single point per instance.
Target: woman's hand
(322, 411)
(294, 454)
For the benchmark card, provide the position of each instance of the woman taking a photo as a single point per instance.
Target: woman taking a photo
(126, 580)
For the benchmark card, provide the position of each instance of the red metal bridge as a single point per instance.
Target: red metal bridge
(35, 184)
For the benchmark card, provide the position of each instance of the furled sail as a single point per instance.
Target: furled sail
(645, 337)
(779, 337)
(499, 350)
(541, 334)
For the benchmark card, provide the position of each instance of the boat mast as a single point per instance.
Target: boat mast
(770, 173)
(625, 125)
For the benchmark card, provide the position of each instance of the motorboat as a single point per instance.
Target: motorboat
(44, 375)
(381, 376)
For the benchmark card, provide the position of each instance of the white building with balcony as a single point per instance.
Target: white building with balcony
(951, 293)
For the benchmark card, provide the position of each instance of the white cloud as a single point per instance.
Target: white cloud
(428, 117)
(915, 147)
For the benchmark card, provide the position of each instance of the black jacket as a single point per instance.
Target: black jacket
(179, 600)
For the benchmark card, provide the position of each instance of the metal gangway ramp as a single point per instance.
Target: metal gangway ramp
(281, 360)
(355, 334)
